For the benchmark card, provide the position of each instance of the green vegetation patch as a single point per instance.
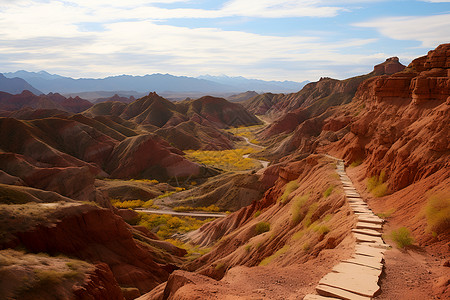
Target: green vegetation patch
(298, 210)
(328, 191)
(402, 237)
(377, 186)
(288, 189)
(437, 212)
(229, 160)
(262, 227)
(166, 225)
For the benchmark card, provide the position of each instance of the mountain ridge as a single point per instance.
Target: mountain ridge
(150, 82)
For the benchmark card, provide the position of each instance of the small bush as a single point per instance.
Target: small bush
(402, 237)
(288, 189)
(248, 247)
(322, 229)
(219, 266)
(262, 227)
(386, 214)
(328, 191)
(149, 204)
(377, 186)
(257, 214)
(437, 212)
(297, 208)
(311, 210)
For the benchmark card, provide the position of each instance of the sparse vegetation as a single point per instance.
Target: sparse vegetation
(166, 225)
(154, 181)
(262, 227)
(386, 214)
(356, 163)
(229, 160)
(277, 254)
(211, 208)
(437, 212)
(127, 204)
(377, 186)
(328, 191)
(322, 229)
(193, 251)
(297, 208)
(402, 237)
(311, 210)
(248, 247)
(257, 213)
(288, 189)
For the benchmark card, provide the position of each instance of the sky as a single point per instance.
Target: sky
(264, 39)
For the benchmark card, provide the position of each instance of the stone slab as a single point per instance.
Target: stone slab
(357, 269)
(326, 290)
(370, 219)
(367, 232)
(366, 225)
(317, 297)
(364, 261)
(367, 238)
(366, 250)
(377, 245)
(355, 283)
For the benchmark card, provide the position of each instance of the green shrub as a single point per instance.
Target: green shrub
(311, 210)
(262, 227)
(328, 191)
(257, 214)
(297, 208)
(437, 212)
(402, 237)
(288, 189)
(377, 186)
(248, 247)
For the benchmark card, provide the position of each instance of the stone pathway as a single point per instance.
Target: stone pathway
(357, 277)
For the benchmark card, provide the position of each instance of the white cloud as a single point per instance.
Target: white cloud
(429, 30)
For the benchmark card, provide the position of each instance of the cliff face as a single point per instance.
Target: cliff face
(313, 99)
(403, 128)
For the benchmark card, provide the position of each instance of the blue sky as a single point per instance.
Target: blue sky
(264, 39)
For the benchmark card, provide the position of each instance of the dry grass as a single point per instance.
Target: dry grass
(229, 160)
(288, 189)
(402, 237)
(211, 208)
(298, 208)
(277, 254)
(377, 186)
(262, 227)
(437, 212)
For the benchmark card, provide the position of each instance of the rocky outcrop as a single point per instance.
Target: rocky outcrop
(99, 284)
(403, 128)
(94, 235)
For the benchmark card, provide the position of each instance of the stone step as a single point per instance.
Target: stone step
(317, 297)
(355, 283)
(366, 225)
(364, 261)
(357, 269)
(367, 232)
(376, 245)
(370, 219)
(367, 250)
(367, 238)
(326, 290)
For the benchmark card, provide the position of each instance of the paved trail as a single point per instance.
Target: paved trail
(356, 278)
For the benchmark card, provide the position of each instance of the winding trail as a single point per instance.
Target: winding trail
(357, 277)
(264, 163)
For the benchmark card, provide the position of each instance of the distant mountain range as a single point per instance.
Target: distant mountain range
(159, 83)
(15, 85)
